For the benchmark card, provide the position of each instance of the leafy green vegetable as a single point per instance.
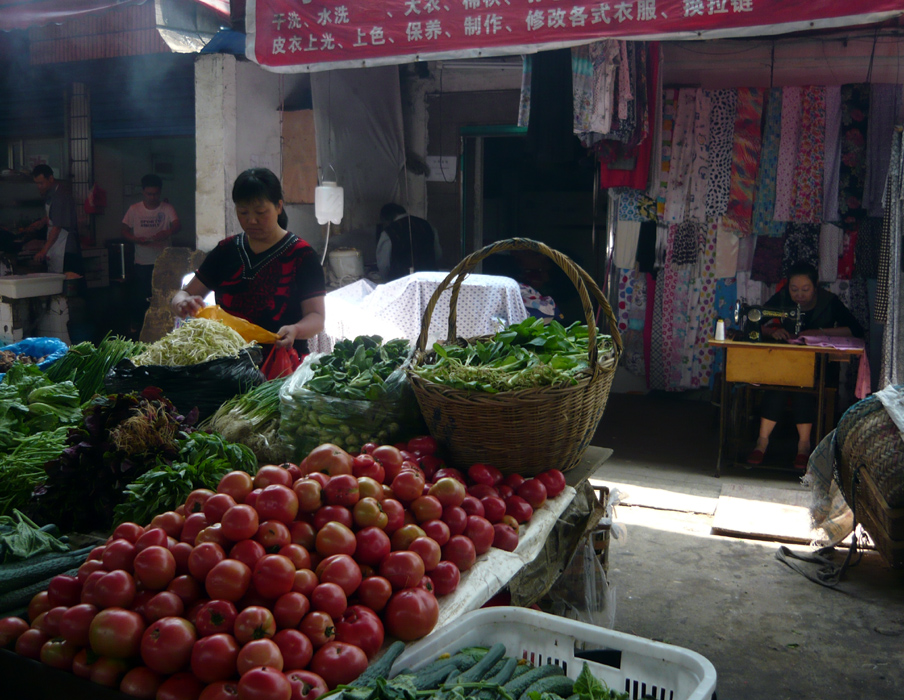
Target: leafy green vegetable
(203, 460)
(525, 355)
(358, 369)
(21, 538)
(121, 437)
(30, 403)
(589, 687)
(22, 468)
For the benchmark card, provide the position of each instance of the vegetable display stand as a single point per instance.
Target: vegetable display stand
(639, 667)
(526, 430)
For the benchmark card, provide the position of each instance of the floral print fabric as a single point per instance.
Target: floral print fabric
(787, 153)
(801, 245)
(854, 123)
(806, 196)
(669, 112)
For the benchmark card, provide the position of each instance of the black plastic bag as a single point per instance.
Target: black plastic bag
(205, 386)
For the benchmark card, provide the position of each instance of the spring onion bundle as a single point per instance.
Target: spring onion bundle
(86, 366)
(197, 340)
(252, 419)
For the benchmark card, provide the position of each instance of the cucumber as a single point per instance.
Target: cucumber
(379, 668)
(562, 686)
(501, 677)
(433, 674)
(480, 669)
(14, 601)
(521, 669)
(504, 674)
(45, 566)
(518, 685)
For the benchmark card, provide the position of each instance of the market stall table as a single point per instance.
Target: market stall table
(789, 366)
(394, 310)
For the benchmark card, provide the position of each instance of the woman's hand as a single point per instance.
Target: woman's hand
(187, 305)
(287, 335)
(778, 333)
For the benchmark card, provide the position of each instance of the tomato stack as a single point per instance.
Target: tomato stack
(281, 585)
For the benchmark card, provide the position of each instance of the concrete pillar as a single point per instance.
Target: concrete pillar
(215, 131)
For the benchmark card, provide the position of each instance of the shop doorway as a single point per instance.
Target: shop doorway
(508, 192)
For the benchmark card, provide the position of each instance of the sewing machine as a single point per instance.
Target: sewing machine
(751, 319)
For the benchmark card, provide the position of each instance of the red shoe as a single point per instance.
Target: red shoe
(755, 457)
(800, 462)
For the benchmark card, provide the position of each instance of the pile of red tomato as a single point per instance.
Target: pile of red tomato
(278, 586)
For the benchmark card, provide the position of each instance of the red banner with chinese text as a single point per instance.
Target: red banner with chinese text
(301, 35)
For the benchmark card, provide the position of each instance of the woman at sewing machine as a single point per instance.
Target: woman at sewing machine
(823, 314)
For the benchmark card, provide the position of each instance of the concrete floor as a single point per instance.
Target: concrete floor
(770, 632)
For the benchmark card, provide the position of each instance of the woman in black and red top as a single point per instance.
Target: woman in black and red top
(265, 275)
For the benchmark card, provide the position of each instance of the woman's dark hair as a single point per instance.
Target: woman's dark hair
(260, 183)
(806, 269)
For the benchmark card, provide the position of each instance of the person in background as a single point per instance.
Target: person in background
(822, 314)
(62, 249)
(397, 234)
(265, 274)
(149, 224)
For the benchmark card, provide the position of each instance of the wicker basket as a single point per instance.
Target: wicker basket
(529, 430)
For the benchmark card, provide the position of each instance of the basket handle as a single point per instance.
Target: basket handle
(578, 276)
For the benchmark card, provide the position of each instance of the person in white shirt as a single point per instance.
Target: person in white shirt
(397, 234)
(149, 224)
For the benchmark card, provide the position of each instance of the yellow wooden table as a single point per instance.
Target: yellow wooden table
(784, 365)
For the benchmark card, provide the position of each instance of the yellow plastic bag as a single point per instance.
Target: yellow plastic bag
(246, 329)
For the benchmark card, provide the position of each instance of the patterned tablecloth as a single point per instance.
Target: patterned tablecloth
(394, 310)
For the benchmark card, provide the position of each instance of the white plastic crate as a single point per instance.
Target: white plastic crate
(640, 667)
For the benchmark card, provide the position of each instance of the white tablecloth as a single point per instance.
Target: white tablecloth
(394, 310)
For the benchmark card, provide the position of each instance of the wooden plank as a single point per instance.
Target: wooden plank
(299, 176)
(775, 366)
(762, 512)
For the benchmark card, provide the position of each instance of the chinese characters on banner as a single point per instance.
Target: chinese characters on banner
(283, 34)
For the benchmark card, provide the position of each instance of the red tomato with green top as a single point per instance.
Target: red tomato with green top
(166, 645)
(361, 626)
(254, 622)
(339, 663)
(411, 614)
(216, 617)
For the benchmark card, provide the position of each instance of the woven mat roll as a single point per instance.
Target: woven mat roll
(867, 438)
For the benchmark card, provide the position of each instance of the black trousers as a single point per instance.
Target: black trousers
(140, 291)
(803, 406)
